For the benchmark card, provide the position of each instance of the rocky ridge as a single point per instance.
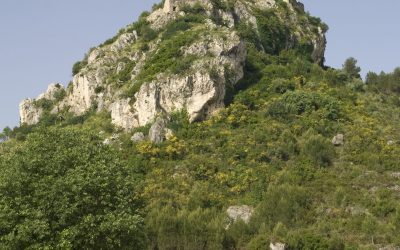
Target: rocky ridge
(214, 61)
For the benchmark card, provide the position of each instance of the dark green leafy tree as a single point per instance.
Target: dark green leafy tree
(63, 189)
(351, 69)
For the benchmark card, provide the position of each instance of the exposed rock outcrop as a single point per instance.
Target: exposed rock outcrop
(122, 115)
(243, 213)
(28, 112)
(338, 140)
(277, 246)
(158, 131)
(218, 60)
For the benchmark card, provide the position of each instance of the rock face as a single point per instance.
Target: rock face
(28, 112)
(243, 213)
(158, 131)
(219, 56)
(122, 116)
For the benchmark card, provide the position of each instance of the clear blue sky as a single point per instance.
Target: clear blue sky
(40, 40)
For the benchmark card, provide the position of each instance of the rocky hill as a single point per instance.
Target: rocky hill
(183, 55)
(209, 124)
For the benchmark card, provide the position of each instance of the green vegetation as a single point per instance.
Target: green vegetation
(46, 104)
(81, 196)
(270, 148)
(351, 69)
(78, 66)
(168, 58)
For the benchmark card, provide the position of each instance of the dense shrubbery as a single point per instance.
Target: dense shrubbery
(270, 148)
(75, 194)
(299, 102)
(385, 83)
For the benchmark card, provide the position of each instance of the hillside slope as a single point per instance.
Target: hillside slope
(183, 55)
(225, 132)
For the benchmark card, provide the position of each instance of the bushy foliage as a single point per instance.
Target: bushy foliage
(273, 33)
(270, 148)
(351, 69)
(66, 190)
(319, 150)
(78, 66)
(298, 103)
(385, 83)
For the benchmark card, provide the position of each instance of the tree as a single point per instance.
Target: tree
(372, 78)
(5, 134)
(351, 69)
(63, 189)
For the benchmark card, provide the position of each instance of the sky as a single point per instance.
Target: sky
(40, 40)
(364, 29)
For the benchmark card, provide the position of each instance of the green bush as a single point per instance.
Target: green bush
(68, 191)
(300, 102)
(319, 150)
(44, 103)
(284, 204)
(273, 32)
(281, 86)
(60, 95)
(78, 66)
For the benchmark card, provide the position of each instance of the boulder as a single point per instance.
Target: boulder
(122, 114)
(390, 143)
(243, 213)
(94, 55)
(124, 41)
(395, 175)
(277, 246)
(111, 139)
(389, 248)
(338, 140)
(138, 137)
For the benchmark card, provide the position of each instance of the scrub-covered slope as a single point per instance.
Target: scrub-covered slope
(284, 154)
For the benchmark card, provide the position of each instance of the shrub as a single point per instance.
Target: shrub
(283, 204)
(123, 76)
(99, 89)
(300, 102)
(43, 103)
(281, 86)
(59, 95)
(273, 32)
(78, 66)
(319, 150)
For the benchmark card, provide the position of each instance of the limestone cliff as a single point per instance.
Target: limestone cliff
(182, 56)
